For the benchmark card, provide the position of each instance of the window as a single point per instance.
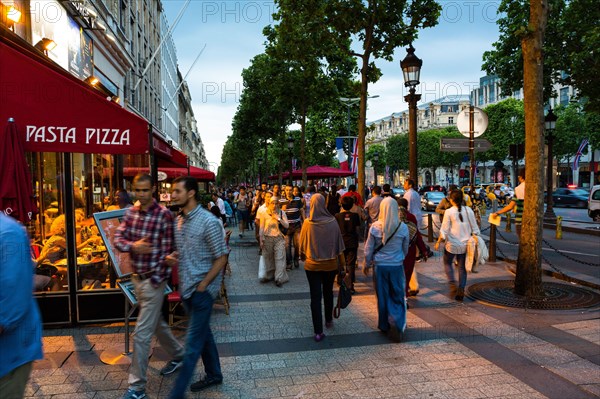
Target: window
(564, 96)
(451, 120)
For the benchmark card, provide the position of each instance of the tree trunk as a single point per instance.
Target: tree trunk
(362, 128)
(529, 263)
(302, 145)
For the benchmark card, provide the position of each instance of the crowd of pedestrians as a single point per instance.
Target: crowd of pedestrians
(320, 228)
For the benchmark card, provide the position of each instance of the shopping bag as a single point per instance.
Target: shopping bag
(262, 268)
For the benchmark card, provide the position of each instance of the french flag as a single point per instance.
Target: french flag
(355, 157)
(341, 155)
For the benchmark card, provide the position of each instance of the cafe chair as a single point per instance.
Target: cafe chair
(174, 300)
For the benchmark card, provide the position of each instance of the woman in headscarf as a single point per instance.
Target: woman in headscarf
(385, 250)
(322, 249)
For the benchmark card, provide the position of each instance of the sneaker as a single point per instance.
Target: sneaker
(171, 367)
(460, 294)
(319, 337)
(131, 394)
(205, 383)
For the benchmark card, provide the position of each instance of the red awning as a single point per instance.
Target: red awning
(198, 173)
(316, 172)
(166, 155)
(56, 112)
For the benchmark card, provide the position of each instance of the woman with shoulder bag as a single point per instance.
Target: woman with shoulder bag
(322, 249)
(385, 249)
(458, 226)
(272, 241)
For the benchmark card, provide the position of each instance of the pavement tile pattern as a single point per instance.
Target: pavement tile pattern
(451, 350)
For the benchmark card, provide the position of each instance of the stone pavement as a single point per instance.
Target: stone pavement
(451, 350)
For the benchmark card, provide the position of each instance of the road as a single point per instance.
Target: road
(574, 214)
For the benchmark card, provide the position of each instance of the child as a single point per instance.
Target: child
(349, 223)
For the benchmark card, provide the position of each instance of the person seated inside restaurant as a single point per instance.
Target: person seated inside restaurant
(121, 201)
(55, 247)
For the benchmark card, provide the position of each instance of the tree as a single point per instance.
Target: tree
(397, 152)
(380, 26)
(381, 153)
(570, 48)
(528, 279)
(314, 61)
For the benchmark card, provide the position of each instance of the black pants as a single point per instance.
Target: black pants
(321, 284)
(350, 255)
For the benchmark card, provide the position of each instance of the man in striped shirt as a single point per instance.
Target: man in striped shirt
(146, 232)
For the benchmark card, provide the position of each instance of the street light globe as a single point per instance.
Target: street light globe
(290, 142)
(376, 156)
(411, 68)
(550, 120)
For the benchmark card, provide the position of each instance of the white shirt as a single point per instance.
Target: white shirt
(221, 205)
(520, 191)
(457, 233)
(414, 205)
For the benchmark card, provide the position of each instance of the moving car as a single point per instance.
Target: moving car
(398, 192)
(594, 204)
(570, 197)
(431, 200)
(435, 187)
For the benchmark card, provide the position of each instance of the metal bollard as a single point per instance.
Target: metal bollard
(429, 227)
(494, 206)
(559, 227)
(508, 223)
(492, 249)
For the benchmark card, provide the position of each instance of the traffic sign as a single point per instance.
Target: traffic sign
(480, 122)
(448, 144)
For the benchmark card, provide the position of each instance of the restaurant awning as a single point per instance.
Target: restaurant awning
(56, 112)
(198, 173)
(316, 172)
(166, 155)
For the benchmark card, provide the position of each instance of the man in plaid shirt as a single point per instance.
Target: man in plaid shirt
(201, 256)
(147, 234)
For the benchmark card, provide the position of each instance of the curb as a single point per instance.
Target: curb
(577, 230)
(557, 275)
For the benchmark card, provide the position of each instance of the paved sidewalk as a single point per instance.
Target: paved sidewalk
(451, 350)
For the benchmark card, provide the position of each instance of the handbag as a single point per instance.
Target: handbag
(344, 295)
(262, 268)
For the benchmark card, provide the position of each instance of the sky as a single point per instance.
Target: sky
(232, 32)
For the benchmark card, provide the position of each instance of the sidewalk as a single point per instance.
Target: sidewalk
(451, 350)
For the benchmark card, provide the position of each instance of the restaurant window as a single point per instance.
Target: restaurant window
(94, 190)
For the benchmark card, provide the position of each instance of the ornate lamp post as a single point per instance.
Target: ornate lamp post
(376, 159)
(260, 162)
(550, 125)
(411, 68)
(290, 145)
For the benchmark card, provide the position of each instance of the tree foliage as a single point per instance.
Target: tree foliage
(506, 126)
(379, 27)
(570, 48)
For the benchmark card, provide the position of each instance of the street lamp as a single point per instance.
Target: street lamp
(376, 159)
(290, 145)
(411, 68)
(550, 125)
(260, 162)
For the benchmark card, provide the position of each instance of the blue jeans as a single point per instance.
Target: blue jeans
(199, 342)
(390, 286)
(449, 268)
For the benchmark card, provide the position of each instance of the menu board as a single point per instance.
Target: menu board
(107, 223)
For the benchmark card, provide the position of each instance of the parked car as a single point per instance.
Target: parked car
(570, 197)
(594, 204)
(431, 200)
(398, 192)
